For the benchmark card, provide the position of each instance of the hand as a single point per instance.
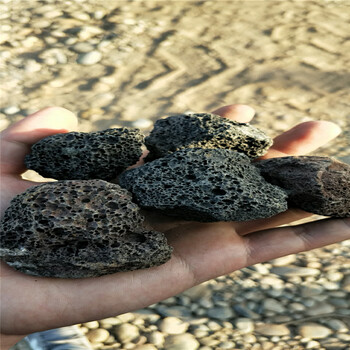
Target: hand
(201, 250)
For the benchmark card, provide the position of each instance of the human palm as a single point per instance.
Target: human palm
(201, 250)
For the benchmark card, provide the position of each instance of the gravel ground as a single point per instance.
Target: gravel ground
(128, 63)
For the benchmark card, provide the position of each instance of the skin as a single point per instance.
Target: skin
(202, 251)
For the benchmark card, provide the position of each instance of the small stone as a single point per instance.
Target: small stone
(145, 347)
(77, 229)
(314, 331)
(78, 155)
(311, 290)
(11, 110)
(83, 47)
(89, 58)
(156, 338)
(346, 283)
(272, 330)
(91, 325)
(181, 342)
(126, 332)
(127, 317)
(32, 66)
(204, 130)
(214, 326)
(313, 344)
(220, 313)
(176, 311)
(320, 309)
(284, 261)
(204, 185)
(173, 325)
(226, 345)
(298, 307)
(99, 335)
(338, 325)
(244, 325)
(142, 123)
(290, 271)
(319, 185)
(109, 322)
(273, 305)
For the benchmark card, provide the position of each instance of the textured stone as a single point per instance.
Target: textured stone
(76, 155)
(220, 313)
(204, 130)
(320, 185)
(77, 229)
(204, 185)
(292, 270)
(89, 58)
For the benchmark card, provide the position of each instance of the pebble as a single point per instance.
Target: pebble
(176, 311)
(244, 325)
(184, 341)
(83, 47)
(145, 347)
(126, 332)
(156, 338)
(291, 271)
(142, 123)
(320, 309)
(273, 305)
(337, 325)
(11, 110)
(220, 313)
(89, 58)
(127, 317)
(272, 329)
(173, 325)
(91, 325)
(98, 335)
(314, 331)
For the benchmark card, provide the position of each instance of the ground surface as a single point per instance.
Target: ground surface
(288, 59)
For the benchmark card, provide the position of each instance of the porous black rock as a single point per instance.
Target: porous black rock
(319, 185)
(75, 229)
(204, 130)
(78, 155)
(204, 185)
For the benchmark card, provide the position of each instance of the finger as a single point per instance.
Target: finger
(274, 243)
(287, 217)
(303, 138)
(237, 112)
(17, 139)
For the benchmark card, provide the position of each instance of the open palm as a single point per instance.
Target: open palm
(201, 250)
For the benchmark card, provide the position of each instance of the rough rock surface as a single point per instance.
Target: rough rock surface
(320, 185)
(77, 155)
(204, 130)
(76, 229)
(204, 185)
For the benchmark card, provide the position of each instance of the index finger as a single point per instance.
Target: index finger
(17, 139)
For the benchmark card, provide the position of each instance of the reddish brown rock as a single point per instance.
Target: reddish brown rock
(320, 185)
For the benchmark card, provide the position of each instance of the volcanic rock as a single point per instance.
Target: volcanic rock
(204, 130)
(319, 185)
(77, 155)
(75, 229)
(204, 185)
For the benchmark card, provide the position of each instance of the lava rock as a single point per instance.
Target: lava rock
(319, 185)
(204, 130)
(76, 229)
(77, 155)
(204, 185)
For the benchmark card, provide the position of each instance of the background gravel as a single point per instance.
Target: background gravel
(127, 63)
